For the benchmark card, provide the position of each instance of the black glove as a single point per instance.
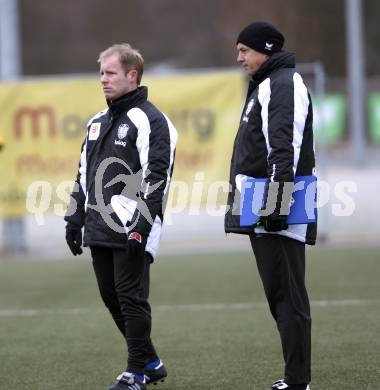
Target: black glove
(74, 238)
(274, 223)
(274, 193)
(136, 245)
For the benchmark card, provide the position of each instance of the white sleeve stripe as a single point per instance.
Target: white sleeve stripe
(141, 121)
(301, 108)
(264, 98)
(83, 168)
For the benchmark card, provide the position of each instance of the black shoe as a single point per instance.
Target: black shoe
(282, 385)
(156, 374)
(128, 381)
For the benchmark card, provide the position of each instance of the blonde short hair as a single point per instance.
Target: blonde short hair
(130, 58)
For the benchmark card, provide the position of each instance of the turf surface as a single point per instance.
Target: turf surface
(56, 335)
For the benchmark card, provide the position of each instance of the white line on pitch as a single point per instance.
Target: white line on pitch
(257, 305)
(184, 307)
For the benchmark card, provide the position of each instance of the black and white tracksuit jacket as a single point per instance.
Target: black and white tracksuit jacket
(274, 140)
(125, 168)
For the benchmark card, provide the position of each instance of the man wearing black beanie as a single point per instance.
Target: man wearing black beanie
(274, 142)
(262, 37)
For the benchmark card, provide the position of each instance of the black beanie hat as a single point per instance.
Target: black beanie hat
(262, 37)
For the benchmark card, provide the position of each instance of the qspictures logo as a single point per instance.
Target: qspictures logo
(133, 183)
(183, 197)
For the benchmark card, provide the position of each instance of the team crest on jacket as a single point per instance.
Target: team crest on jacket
(94, 131)
(248, 109)
(122, 130)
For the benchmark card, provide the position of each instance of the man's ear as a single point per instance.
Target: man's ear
(132, 75)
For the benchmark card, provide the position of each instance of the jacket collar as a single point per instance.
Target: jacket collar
(276, 61)
(128, 101)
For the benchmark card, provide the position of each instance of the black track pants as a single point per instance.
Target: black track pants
(281, 264)
(124, 288)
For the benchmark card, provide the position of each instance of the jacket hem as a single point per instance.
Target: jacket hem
(251, 230)
(240, 230)
(106, 244)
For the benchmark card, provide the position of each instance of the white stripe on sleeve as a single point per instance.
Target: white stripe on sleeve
(83, 168)
(264, 98)
(141, 121)
(301, 107)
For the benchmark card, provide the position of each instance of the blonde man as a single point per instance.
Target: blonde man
(124, 173)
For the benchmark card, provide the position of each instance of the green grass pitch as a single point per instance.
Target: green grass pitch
(211, 325)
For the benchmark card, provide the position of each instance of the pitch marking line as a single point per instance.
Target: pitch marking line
(184, 307)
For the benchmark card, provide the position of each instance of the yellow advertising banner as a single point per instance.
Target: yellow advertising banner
(43, 124)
